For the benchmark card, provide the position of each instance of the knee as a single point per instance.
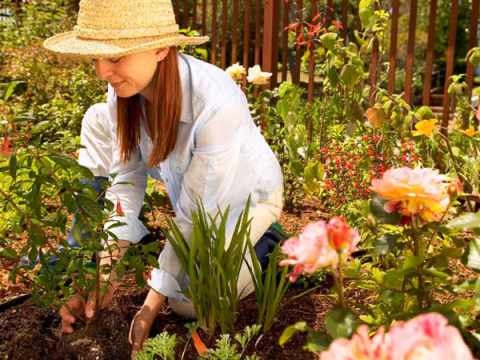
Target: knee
(183, 308)
(96, 117)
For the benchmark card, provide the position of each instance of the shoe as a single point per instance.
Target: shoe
(269, 240)
(25, 261)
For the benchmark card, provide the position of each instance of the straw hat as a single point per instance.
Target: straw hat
(112, 28)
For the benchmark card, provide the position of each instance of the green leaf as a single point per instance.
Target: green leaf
(153, 261)
(409, 267)
(340, 323)
(471, 257)
(9, 253)
(91, 207)
(383, 217)
(328, 40)
(292, 330)
(465, 221)
(385, 243)
(70, 164)
(13, 166)
(367, 17)
(317, 341)
(297, 168)
(349, 75)
(120, 270)
(11, 89)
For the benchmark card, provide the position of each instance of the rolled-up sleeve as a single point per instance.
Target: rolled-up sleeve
(130, 195)
(210, 176)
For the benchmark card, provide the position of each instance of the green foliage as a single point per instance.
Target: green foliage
(212, 267)
(226, 350)
(160, 347)
(270, 287)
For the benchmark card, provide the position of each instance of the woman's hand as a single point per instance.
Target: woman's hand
(142, 322)
(77, 305)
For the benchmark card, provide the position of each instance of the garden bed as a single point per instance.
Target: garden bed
(28, 332)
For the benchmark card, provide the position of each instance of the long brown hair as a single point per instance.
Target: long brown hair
(167, 102)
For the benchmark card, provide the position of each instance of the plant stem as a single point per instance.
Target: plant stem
(421, 280)
(339, 281)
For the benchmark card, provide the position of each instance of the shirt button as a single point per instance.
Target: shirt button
(178, 168)
(166, 180)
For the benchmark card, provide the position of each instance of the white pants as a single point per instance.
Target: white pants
(97, 138)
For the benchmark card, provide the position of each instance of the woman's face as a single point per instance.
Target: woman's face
(131, 74)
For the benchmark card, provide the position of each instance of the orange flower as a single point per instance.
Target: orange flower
(425, 127)
(119, 209)
(470, 132)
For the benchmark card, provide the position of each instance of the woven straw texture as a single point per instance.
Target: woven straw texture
(120, 27)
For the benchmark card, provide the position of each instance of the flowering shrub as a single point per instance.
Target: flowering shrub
(423, 338)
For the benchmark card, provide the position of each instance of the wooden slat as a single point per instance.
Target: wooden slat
(223, 61)
(246, 39)
(213, 53)
(298, 55)
(311, 77)
(286, 20)
(427, 83)
(410, 51)
(359, 23)
(204, 20)
(392, 57)
(235, 31)
(185, 14)
(472, 41)
(194, 14)
(374, 71)
(329, 12)
(176, 9)
(345, 20)
(258, 38)
(450, 63)
(270, 40)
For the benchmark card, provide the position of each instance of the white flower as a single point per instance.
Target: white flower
(257, 77)
(236, 71)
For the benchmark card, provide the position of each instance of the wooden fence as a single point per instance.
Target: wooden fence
(270, 47)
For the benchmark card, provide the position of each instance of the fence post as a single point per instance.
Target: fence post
(270, 40)
(430, 52)
(410, 51)
(472, 41)
(393, 47)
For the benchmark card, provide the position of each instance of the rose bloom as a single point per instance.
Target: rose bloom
(235, 71)
(426, 337)
(318, 247)
(257, 77)
(413, 191)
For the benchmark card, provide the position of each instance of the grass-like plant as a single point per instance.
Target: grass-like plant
(212, 268)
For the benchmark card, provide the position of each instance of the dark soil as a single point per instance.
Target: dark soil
(106, 338)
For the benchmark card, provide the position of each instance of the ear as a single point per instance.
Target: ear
(160, 54)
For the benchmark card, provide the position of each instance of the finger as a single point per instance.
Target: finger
(90, 306)
(67, 327)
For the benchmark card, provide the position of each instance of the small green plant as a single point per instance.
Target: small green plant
(163, 346)
(213, 270)
(226, 350)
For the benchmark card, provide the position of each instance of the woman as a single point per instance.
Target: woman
(174, 118)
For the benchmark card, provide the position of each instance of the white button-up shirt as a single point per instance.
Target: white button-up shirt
(220, 156)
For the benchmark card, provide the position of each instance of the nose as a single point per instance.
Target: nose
(104, 69)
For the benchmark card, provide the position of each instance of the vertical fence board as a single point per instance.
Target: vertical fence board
(298, 55)
(329, 12)
(374, 70)
(410, 51)
(185, 14)
(234, 31)
(472, 41)
(246, 38)
(194, 15)
(204, 20)
(450, 63)
(176, 9)
(345, 20)
(357, 15)
(311, 77)
(223, 61)
(270, 40)
(213, 54)
(427, 85)
(286, 20)
(258, 38)
(392, 57)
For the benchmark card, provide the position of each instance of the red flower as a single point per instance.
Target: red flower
(119, 209)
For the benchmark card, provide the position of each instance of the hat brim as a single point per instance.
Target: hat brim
(67, 44)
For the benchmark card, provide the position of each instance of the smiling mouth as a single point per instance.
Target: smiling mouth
(116, 84)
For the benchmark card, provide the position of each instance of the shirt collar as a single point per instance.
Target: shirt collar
(187, 116)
